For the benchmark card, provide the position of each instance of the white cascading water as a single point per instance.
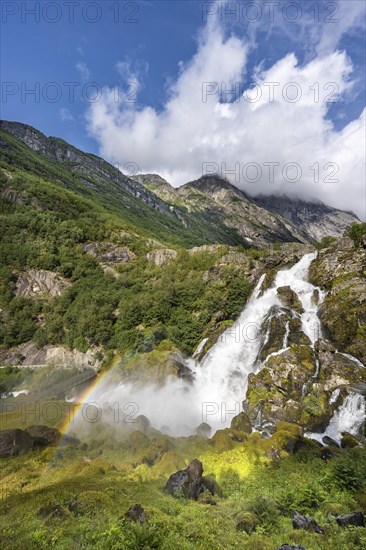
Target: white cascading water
(220, 380)
(348, 418)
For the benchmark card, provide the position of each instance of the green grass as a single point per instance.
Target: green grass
(111, 475)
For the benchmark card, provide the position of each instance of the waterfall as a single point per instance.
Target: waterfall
(348, 418)
(220, 379)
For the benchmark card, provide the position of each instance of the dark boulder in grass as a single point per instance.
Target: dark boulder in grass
(356, 519)
(189, 483)
(291, 547)
(53, 510)
(43, 436)
(136, 514)
(305, 522)
(14, 442)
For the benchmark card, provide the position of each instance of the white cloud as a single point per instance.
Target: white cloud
(66, 115)
(83, 70)
(132, 70)
(189, 131)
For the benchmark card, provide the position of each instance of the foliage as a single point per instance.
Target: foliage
(356, 232)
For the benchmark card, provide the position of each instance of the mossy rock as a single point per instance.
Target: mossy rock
(348, 441)
(222, 441)
(53, 511)
(246, 521)
(284, 440)
(93, 502)
(294, 429)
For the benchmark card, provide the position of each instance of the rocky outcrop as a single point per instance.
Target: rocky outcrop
(108, 253)
(161, 256)
(297, 386)
(340, 269)
(40, 284)
(28, 354)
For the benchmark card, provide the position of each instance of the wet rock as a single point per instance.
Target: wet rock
(14, 442)
(241, 423)
(136, 514)
(305, 522)
(356, 519)
(289, 298)
(315, 297)
(187, 483)
(204, 429)
(43, 436)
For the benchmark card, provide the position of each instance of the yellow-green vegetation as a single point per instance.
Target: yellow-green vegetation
(94, 484)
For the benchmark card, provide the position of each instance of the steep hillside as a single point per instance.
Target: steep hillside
(25, 149)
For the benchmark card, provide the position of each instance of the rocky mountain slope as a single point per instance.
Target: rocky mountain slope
(316, 219)
(206, 210)
(259, 220)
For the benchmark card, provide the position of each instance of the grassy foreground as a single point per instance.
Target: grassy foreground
(110, 471)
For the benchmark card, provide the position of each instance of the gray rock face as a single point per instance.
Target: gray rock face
(40, 283)
(315, 218)
(161, 256)
(108, 253)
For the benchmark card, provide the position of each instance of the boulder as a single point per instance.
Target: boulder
(136, 514)
(43, 436)
(188, 483)
(14, 442)
(305, 522)
(356, 519)
(246, 521)
(291, 547)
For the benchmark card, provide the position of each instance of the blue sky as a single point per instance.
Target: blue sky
(157, 46)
